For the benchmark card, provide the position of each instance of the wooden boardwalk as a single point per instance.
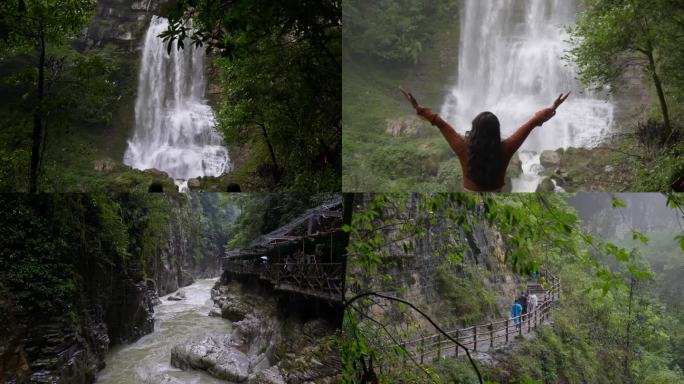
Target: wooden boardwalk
(491, 336)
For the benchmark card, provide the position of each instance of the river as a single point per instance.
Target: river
(148, 359)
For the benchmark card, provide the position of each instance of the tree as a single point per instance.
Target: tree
(612, 36)
(29, 26)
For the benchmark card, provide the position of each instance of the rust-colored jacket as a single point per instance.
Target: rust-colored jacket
(459, 145)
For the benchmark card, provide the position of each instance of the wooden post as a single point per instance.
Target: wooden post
(521, 326)
(457, 344)
(491, 335)
(439, 346)
(507, 330)
(422, 349)
(475, 338)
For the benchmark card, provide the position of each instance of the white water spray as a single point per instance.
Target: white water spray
(174, 126)
(510, 63)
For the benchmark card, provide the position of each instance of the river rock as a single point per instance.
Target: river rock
(217, 356)
(194, 184)
(550, 159)
(178, 296)
(546, 186)
(234, 309)
(162, 379)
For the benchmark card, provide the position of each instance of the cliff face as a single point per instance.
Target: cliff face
(460, 277)
(119, 22)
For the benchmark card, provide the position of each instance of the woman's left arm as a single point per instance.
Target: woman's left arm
(516, 140)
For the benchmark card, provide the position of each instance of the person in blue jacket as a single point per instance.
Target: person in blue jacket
(516, 313)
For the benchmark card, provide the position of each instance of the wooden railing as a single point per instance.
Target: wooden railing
(323, 280)
(487, 336)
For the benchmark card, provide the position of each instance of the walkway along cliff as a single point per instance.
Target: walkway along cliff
(282, 295)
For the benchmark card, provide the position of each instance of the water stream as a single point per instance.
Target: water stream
(510, 64)
(174, 126)
(148, 359)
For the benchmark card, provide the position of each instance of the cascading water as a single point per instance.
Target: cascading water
(510, 63)
(148, 359)
(174, 127)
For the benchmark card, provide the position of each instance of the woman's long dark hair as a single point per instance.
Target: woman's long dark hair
(485, 157)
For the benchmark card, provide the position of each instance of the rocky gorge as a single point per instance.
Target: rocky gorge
(65, 315)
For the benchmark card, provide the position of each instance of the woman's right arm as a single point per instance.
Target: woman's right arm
(455, 140)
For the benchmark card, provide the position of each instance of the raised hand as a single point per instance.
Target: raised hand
(560, 100)
(410, 98)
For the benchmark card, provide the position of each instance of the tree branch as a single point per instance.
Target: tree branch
(428, 318)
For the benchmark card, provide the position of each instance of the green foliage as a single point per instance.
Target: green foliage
(464, 297)
(22, 22)
(55, 246)
(659, 171)
(393, 30)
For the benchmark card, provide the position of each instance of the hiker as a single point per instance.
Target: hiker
(523, 302)
(531, 303)
(483, 155)
(516, 312)
(535, 276)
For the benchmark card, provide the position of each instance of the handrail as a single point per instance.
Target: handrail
(314, 279)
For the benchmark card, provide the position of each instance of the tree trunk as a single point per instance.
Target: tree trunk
(628, 352)
(347, 214)
(38, 133)
(661, 93)
(270, 149)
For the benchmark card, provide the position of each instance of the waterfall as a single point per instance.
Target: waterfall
(174, 126)
(510, 63)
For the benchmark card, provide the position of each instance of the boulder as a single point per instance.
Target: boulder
(194, 184)
(104, 165)
(550, 159)
(178, 296)
(402, 126)
(155, 172)
(162, 379)
(217, 356)
(546, 186)
(234, 309)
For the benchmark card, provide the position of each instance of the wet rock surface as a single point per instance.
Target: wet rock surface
(218, 356)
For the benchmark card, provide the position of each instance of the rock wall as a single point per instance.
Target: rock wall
(423, 274)
(45, 347)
